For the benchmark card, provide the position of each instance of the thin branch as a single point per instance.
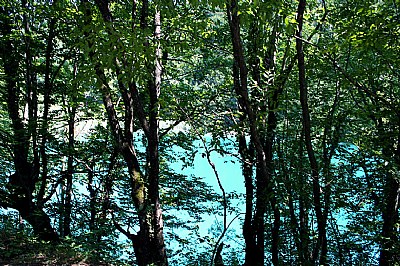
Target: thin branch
(222, 236)
(357, 84)
(207, 154)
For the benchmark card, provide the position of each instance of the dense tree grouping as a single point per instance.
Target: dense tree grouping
(105, 103)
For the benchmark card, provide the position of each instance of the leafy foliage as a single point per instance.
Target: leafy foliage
(78, 83)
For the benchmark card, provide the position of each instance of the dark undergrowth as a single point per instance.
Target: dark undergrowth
(19, 249)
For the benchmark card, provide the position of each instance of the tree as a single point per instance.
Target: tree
(29, 134)
(148, 243)
(94, 131)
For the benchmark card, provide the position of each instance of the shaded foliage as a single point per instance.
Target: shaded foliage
(107, 106)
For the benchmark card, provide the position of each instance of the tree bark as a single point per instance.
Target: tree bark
(148, 243)
(70, 167)
(390, 212)
(320, 249)
(246, 153)
(263, 172)
(262, 132)
(46, 108)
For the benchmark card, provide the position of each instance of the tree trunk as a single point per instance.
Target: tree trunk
(148, 243)
(255, 241)
(389, 254)
(37, 218)
(70, 171)
(321, 244)
(240, 70)
(46, 109)
(247, 171)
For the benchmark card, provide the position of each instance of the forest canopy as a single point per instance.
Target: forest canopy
(108, 107)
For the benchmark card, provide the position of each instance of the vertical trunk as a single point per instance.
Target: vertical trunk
(46, 108)
(269, 121)
(240, 70)
(92, 200)
(247, 170)
(270, 135)
(304, 251)
(247, 154)
(330, 142)
(218, 261)
(264, 189)
(275, 230)
(390, 215)
(69, 172)
(158, 254)
(321, 241)
(267, 127)
(31, 90)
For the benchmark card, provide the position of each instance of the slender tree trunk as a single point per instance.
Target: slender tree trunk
(257, 252)
(390, 216)
(268, 125)
(321, 241)
(268, 147)
(247, 170)
(69, 172)
(31, 88)
(263, 174)
(390, 212)
(46, 108)
(304, 251)
(157, 241)
(247, 154)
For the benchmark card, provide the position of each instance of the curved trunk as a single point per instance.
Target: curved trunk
(37, 218)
